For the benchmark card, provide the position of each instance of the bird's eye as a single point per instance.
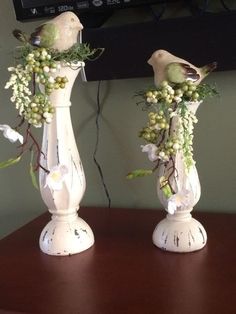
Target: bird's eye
(72, 19)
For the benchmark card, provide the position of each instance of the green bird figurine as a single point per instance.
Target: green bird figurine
(60, 33)
(168, 67)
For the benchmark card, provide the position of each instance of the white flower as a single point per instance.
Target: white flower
(151, 150)
(56, 177)
(11, 134)
(177, 200)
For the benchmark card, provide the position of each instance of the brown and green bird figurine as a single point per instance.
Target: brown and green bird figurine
(60, 33)
(168, 67)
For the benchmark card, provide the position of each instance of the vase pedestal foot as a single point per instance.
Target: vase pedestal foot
(179, 234)
(66, 237)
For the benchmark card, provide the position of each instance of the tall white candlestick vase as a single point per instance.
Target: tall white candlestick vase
(179, 232)
(66, 233)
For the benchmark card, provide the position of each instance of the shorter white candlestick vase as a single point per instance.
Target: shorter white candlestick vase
(179, 232)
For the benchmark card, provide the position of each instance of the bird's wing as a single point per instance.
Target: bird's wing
(178, 72)
(45, 35)
(190, 72)
(35, 37)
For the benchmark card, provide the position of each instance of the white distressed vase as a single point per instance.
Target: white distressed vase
(66, 233)
(179, 232)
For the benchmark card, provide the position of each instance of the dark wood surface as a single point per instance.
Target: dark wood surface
(123, 273)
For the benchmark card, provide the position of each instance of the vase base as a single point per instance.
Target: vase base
(62, 238)
(179, 236)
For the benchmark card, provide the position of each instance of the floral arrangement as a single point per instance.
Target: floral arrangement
(164, 104)
(32, 82)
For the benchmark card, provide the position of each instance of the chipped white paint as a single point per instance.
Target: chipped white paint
(66, 233)
(180, 232)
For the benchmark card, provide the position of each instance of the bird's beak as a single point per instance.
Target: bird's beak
(150, 61)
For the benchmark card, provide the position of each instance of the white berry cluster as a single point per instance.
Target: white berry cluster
(33, 103)
(19, 82)
(187, 120)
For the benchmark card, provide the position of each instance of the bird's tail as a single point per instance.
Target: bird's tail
(21, 36)
(208, 68)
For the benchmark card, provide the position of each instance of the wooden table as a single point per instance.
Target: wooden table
(123, 272)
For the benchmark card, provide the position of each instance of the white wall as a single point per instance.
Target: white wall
(119, 147)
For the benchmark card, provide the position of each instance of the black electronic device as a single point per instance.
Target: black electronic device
(200, 38)
(31, 9)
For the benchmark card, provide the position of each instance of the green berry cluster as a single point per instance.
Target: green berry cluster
(40, 62)
(39, 110)
(157, 132)
(189, 91)
(172, 145)
(157, 122)
(172, 94)
(168, 148)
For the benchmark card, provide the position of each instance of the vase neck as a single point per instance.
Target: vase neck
(180, 216)
(60, 214)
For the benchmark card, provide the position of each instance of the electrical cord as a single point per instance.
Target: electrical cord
(96, 146)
